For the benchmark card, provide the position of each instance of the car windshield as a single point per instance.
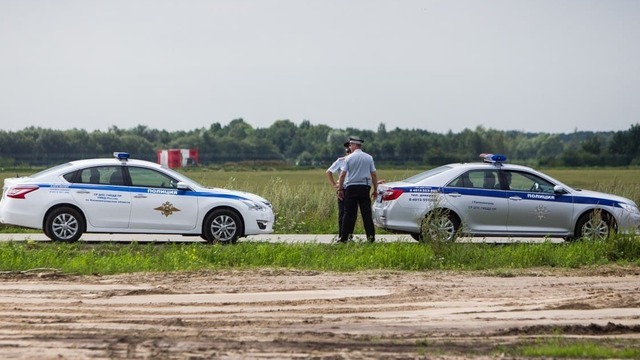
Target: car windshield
(181, 177)
(429, 173)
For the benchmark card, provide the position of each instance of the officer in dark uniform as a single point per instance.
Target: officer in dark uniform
(357, 180)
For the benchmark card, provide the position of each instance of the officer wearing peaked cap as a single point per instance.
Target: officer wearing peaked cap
(353, 140)
(336, 167)
(357, 179)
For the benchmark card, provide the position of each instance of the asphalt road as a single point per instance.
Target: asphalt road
(287, 238)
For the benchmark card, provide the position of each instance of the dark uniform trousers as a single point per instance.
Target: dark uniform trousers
(357, 196)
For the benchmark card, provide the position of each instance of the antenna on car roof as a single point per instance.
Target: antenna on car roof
(496, 159)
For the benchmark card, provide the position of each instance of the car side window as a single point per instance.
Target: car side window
(485, 179)
(489, 180)
(93, 175)
(90, 176)
(476, 178)
(144, 177)
(115, 175)
(462, 181)
(528, 182)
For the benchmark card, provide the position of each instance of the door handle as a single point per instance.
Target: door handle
(140, 196)
(455, 194)
(83, 192)
(515, 198)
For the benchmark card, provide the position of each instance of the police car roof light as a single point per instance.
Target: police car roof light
(121, 155)
(493, 158)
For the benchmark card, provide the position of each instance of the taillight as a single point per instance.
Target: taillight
(20, 191)
(391, 194)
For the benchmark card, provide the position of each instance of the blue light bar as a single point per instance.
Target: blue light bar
(493, 158)
(121, 155)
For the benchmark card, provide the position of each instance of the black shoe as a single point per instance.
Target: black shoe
(337, 241)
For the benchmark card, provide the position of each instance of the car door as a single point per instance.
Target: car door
(157, 204)
(101, 194)
(483, 208)
(534, 208)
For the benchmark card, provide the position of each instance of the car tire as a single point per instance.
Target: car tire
(222, 226)
(64, 224)
(439, 225)
(595, 225)
(46, 231)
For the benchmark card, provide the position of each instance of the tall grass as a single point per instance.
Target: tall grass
(304, 202)
(117, 258)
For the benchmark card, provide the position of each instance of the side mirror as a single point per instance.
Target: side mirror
(182, 186)
(559, 190)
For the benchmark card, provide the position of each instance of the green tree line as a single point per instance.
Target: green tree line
(287, 143)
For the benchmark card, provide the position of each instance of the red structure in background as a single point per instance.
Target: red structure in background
(175, 158)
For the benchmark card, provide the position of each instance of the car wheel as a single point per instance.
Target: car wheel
(46, 231)
(222, 226)
(64, 224)
(596, 225)
(440, 226)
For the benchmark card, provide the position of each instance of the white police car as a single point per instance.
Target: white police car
(119, 195)
(492, 198)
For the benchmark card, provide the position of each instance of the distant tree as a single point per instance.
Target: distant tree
(321, 144)
(304, 159)
(382, 130)
(239, 130)
(191, 140)
(625, 145)
(105, 143)
(138, 147)
(592, 145)
(282, 133)
(80, 143)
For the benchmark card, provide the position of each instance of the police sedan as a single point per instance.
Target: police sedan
(493, 198)
(122, 195)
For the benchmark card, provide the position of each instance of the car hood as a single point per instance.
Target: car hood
(246, 195)
(597, 194)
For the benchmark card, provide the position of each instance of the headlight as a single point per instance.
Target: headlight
(630, 208)
(254, 205)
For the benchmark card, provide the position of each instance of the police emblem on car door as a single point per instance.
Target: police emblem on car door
(158, 204)
(534, 207)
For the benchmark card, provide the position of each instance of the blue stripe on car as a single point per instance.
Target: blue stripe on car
(145, 190)
(569, 198)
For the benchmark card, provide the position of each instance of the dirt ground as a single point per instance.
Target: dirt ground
(275, 314)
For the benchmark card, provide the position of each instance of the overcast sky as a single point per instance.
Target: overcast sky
(534, 65)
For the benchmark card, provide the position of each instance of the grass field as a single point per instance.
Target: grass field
(304, 201)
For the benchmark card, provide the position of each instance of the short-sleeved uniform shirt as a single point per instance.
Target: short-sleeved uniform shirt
(336, 166)
(359, 166)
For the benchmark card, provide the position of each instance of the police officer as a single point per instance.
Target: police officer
(336, 167)
(357, 179)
